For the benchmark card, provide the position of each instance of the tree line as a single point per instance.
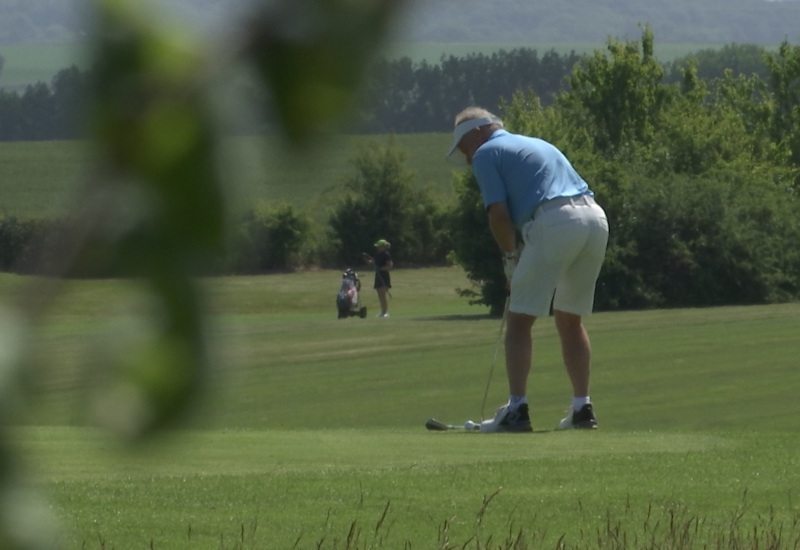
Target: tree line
(46, 112)
(406, 97)
(399, 96)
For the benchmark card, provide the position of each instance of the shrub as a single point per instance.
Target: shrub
(268, 238)
(474, 247)
(379, 201)
(685, 241)
(15, 238)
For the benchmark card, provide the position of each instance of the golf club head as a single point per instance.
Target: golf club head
(435, 425)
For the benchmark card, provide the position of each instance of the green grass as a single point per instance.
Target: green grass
(42, 179)
(311, 432)
(264, 170)
(270, 488)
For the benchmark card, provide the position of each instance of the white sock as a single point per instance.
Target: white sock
(579, 402)
(515, 401)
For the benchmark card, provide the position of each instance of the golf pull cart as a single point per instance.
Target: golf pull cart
(348, 303)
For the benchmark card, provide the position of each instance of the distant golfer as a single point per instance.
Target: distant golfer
(529, 186)
(382, 261)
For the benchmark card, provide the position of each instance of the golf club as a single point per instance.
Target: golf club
(438, 426)
(494, 357)
(470, 426)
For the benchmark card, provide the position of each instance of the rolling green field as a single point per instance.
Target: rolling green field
(310, 433)
(43, 179)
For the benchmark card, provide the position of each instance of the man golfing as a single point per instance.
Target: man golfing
(382, 260)
(528, 185)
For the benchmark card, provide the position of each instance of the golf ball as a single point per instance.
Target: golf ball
(470, 425)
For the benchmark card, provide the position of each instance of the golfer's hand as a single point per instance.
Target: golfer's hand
(509, 263)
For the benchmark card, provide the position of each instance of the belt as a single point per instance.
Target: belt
(558, 202)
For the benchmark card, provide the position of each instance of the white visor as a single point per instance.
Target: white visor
(461, 130)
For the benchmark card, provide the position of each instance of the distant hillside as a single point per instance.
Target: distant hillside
(543, 21)
(558, 21)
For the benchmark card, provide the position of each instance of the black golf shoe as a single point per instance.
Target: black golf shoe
(583, 419)
(506, 420)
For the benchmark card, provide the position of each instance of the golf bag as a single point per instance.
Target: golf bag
(347, 301)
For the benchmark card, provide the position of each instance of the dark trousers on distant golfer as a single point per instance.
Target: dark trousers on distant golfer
(383, 282)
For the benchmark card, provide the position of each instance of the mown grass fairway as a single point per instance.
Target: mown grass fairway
(310, 434)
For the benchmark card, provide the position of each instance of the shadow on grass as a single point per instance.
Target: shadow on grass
(457, 317)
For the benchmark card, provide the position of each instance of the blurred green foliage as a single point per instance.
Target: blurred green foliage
(155, 207)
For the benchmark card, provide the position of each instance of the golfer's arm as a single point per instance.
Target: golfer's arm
(501, 226)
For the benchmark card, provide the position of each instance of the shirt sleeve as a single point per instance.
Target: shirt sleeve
(485, 168)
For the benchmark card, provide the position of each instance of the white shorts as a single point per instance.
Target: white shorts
(565, 244)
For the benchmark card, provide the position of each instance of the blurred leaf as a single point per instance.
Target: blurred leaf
(153, 122)
(313, 53)
(157, 210)
(26, 521)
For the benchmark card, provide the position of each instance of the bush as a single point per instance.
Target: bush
(16, 238)
(268, 238)
(379, 201)
(685, 241)
(474, 247)
(49, 248)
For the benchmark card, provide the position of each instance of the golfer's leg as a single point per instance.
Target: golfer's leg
(519, 351)
(576, 350)
(382, 299)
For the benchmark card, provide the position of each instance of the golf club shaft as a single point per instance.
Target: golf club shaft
(439, 426)
(494, 357)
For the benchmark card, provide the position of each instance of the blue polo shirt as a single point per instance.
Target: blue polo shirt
(523, 172)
